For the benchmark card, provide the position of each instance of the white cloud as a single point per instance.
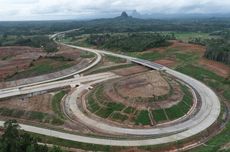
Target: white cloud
(60, 9)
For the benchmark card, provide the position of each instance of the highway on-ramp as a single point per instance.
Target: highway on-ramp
(207, 115)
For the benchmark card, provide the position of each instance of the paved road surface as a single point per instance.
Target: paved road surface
(207, 115)
(73, 82)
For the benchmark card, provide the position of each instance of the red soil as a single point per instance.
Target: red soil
(217, 67)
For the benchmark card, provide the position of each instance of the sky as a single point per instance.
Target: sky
(88, 9)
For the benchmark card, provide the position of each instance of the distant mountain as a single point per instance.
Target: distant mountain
(124, 15)
(136, 14)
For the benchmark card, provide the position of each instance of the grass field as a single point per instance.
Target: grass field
(216, 82)
(159, 115)
(186, 36)
(108, 107)
(143, 118)
(56, 103)
(175, 111)
(100, 70)
(73, 144)
(42, 66)
(147, 56)
(31, 115)
(99, 105)
(222, 88)
(119, 116)
(115, 59)
(129, 110)
(85, 54)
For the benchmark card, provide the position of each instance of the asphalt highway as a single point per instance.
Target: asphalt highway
(207, 115)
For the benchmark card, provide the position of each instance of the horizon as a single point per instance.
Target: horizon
(41, 10)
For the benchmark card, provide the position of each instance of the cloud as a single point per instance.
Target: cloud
(80, 9)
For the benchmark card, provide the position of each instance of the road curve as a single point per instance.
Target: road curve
(208, 114)
(94, 63)
(73, 82)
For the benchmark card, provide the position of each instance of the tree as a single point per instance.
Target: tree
(16, 140)
(4, 36)
(56, 149)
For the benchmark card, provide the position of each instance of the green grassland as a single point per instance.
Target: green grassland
(42, 66)
(56, 103)
(222, 88)
(102, 107)
(186, 36)
(31, 115)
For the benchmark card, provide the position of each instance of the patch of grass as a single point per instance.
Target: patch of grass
(44, 66)
(147, 56)
(57, 121)
(188, 98)
(143, 118)
(56, 103)
(85, 54)
(187, 57)
(30, 115)
(34, 115)
(175, 111)
(115, 106)
(227, 94)
(110, 68)
(129, 110)
(186, 36)
(115, 59)
(213, 80)
(222, 87)
(119, 116)
(104, 112)
(6, 111)
(182, 107)
(199, 73)
(214, 144)
(92, 105)
(159, 115)
(73, 144)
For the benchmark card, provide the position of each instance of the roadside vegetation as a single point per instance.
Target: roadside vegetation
(42, 66)
(222, 88)
(85, 54)
(105, 69)
(31, 115)
(130, 42)
(191, 37)
(56, 104)
(219, 49)
(209, 32)
(14, 139)
(40, 41)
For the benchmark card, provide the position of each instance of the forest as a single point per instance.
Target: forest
(39, 41)
(218, 48)
(16, 140)
(117, 24)
(130, 42)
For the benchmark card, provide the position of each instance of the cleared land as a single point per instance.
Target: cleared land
(34, 109)
(17, 58)
(149, 84)
(21, 62)
(100, 104)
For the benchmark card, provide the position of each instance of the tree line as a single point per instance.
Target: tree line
(15, 140)
(39, 41)
(130, 42)
(218, 48)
